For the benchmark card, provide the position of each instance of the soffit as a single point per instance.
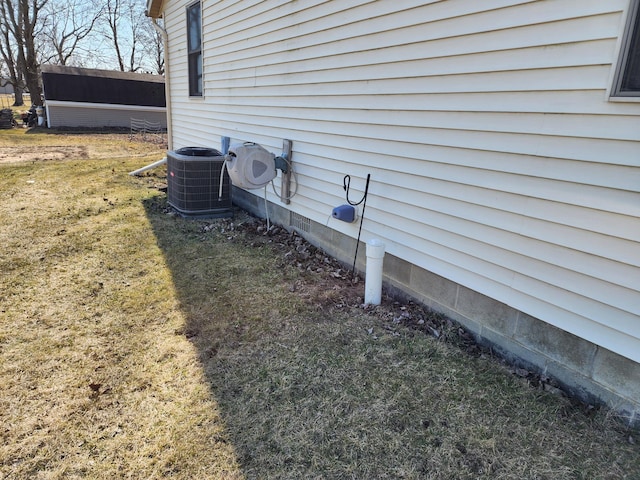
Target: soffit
(154, 8)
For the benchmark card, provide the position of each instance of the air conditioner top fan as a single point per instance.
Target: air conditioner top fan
(198, 152)
(250, 165)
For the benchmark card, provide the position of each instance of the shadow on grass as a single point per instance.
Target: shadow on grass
(325, 389)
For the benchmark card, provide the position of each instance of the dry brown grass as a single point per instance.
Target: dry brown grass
(6, 101)
(137, 344)
(41, 144)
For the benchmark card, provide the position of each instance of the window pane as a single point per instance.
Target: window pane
(194, 27)
(194, 47)
(195, 74)
(631, 75)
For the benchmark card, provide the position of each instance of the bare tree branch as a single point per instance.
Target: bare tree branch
(113, 14)
(127, 30)
(67, 24)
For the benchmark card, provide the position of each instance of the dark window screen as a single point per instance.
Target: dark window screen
(631, 72)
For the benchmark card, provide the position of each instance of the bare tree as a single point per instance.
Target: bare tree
(10, 71)
(20, 20)
(113, 12)
(67, 24)
(136, 36)
(129, 33)
(153, 48)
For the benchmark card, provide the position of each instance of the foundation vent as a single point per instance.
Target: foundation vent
(299, 222)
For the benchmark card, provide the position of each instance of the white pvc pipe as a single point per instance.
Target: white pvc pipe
(373, 275)
(167, 81)
(148, 167)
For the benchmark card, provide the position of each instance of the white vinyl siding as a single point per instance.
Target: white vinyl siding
(496, 159)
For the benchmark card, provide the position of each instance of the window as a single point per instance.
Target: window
(194, 47)
(627, 81)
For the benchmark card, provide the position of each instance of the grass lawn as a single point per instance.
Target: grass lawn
(138, 344)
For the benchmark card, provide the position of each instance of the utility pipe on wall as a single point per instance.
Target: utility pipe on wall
(167, 80)
(373, 275)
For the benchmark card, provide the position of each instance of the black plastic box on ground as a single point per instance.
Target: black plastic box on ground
(193, 183)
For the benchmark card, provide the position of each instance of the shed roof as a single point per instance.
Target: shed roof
(94, 72)
(75, 84)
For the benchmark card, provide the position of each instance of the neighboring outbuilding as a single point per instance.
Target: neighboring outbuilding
(82, 97)
(503, 143)
(5, 87)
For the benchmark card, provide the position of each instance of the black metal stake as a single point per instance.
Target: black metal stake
(364, 206)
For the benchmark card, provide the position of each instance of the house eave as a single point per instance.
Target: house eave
(154, 8)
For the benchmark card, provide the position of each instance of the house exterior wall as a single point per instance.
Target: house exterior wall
(74, 114)
(500, 169)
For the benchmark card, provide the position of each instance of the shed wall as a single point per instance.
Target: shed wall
(73, 114)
